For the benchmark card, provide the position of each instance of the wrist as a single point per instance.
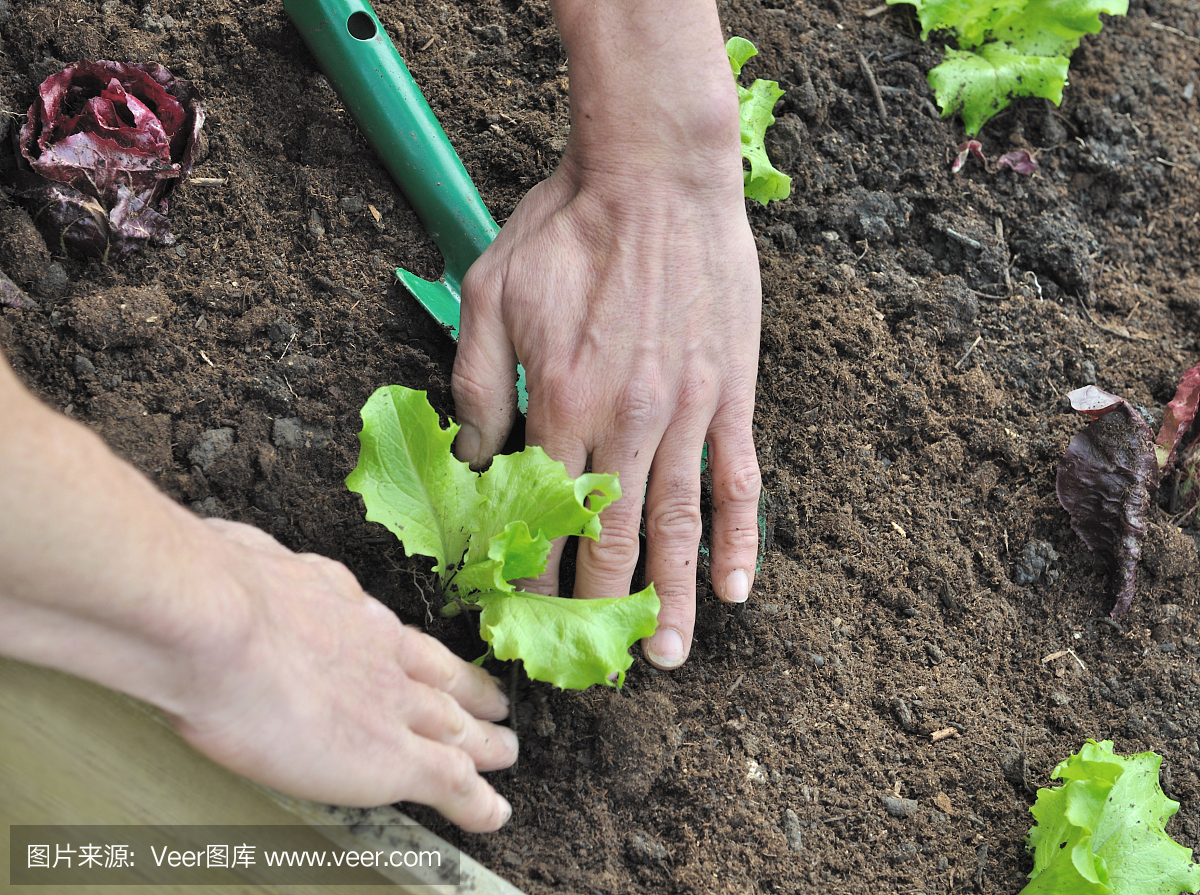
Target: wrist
(651, 91)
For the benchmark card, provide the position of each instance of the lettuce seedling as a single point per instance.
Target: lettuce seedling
(485, 531)
(1006, 48)
(1103, 831)
(763, 182)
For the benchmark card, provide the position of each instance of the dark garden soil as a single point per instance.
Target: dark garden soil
(921, 330)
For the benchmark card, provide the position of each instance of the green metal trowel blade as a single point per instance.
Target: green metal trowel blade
(442, 299)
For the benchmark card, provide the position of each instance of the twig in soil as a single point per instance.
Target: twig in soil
(944, 734)
(1000, 236)
(429, 43)
(962, 360)
(1157, 27)
(964, 239)
(870, 76)
(876, 11)
(204, 357)
(1064, 652)
(207, 181)
(741, 677)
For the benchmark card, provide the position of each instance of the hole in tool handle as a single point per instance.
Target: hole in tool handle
(361, 26)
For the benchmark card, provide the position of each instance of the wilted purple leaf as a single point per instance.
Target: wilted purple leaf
(101, 150)
(1177, 418)
(969, 148)
(1019, 160)
(1105, 481)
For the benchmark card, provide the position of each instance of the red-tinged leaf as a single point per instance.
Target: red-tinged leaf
(1104, 483)
(1177, 418)
(102, 149)
(1019, 160)
(965, 150)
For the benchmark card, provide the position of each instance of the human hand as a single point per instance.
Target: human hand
(627, 284)
(316, 689)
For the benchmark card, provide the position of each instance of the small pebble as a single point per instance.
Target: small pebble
(793, 830)
(898, 807)
(819, 661)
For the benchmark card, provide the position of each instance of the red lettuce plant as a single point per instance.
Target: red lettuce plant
(101, 150)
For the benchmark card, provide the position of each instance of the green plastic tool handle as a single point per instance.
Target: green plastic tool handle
(374, 84)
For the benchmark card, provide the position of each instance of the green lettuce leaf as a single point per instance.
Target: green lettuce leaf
(1007, 48)
(1103, 831)
(1054, 27)
(981, 84)
(969, 19)
(569, 643)
(763, 182)
(487, 530)
(409, 479)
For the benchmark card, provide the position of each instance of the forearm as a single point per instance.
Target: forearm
(651, 77)
(97, 568)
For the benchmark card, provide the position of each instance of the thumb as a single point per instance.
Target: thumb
(484, 383)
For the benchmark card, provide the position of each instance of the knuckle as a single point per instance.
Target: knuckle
(617, 552)
(738, 538)
(461, 776)
(742, 484)
(454, 719)
(483, 284)
(677, 520)
(639, 403)
(467, 386)
(673, 596)
(444, 677)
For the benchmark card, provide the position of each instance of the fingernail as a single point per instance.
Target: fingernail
(510, 739)
(665, 648)
(466, 445)
(737, 586)
(507, 810)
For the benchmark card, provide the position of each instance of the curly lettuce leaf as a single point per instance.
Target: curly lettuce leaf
(969, 19)
(1103, 832)
(409, 479)
(763, 182)
(531, 488)
(980, 84)
(1007, 48)
(1054, 27)
(487, 530)
(569, 643)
